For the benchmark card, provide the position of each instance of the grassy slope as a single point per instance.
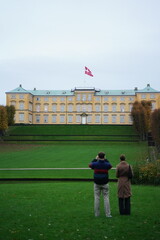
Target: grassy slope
(71, 130)
(75, 155)
(65, 211)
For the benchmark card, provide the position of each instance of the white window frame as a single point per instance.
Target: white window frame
(70, 118)
(114, 118)
(62, 118)
(78, 118)
(89, 118)
(45, 118)
(122, 118)
(54, 118)
(21, 105)
(21, 117)
(54, 107)
(97, 107)
(37, 118)
(105, 107)
(105, 118)
(114, 107)
(97, 118)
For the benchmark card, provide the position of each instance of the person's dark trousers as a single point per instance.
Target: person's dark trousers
(124, 206)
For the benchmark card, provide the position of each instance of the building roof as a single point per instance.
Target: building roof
(98, 92)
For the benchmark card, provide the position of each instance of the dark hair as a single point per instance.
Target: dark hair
(101, 155)
(122, 157)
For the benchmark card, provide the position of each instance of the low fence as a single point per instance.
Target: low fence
(48, 179)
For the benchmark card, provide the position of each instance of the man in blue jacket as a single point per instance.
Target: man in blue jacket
(100, 165)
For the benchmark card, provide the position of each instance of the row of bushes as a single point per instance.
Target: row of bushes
(147, 173)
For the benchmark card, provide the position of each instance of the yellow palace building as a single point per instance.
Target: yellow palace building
(78, 106)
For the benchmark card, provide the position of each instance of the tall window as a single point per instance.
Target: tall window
(78, 97)
(21, 105)
(21, 117)
(89, 118)
(54, 118)
(30, 118)
(143, 96)
(98, 108)
(130, 119)
(37, 118)
(37, 107)
(13, 103)
(78, 107)
(62, 118)
(45, 118)
(62, 107)
(89, 107)
(122, 120)
(114, 118)
(114, 106)
(46, 107)
(84, 107)
(152, 96)
(89, 97)
(54, 107)
(70, 107)
(153, 105)
(84, 97)
(97, 120)
(30, 106)
(78, 118)
(122, 107)
(130, 107)
(105, 107)
(105, 118)
(70, 118)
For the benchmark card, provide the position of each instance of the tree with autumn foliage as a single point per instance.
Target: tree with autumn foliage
(10, 113)
(155, 125)
(3, 120)
(141, 114)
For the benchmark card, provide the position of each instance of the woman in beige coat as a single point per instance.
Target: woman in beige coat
(124, 173)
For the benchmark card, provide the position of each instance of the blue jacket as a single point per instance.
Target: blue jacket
(101, 168)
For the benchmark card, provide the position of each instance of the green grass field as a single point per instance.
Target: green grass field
(64, 211)
(64, 155)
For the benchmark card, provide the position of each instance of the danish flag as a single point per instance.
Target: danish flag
(88, 72)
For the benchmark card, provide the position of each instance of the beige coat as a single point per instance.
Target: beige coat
(124, 184)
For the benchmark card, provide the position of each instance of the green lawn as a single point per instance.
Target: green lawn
(64, 211)
(64, 155)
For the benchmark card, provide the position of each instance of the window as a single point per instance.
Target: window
(21, 117)
(122, 99)
(46, 107)
(37, 118)
(97, 119)
(13, 103)
(78, 118)
(70, 108)
(21, 96)
(105, 107)
(84, 97)
(38, 108)
(97, 107)
(13, 96)
(84, 107)
(38, 98)
(62, 107)
(21, 105)
(131, 98)
(114, 106)
(114, 118)
(122, 118)
(152, 96)
(105, 118)
(45, 118)
(89, 118)
(54, 118)
(70, 99)
(143, 96)
(46, 99)
(70, 118)
(89, 107)
(105, 99)
(122, 106)
(62, 118)
(78, 97)
(89, 97)
(114, 98)
(78, 107)
(98, 99)
(62, 99)
(54, 99)
(54, 107)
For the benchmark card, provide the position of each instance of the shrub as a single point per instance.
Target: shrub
(147, 173)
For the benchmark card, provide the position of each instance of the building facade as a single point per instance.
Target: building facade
(78, 106)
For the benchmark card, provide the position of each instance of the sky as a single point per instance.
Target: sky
(45, 44)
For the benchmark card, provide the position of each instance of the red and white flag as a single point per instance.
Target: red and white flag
(88, 72)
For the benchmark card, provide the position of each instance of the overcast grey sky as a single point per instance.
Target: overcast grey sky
(46, 44)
